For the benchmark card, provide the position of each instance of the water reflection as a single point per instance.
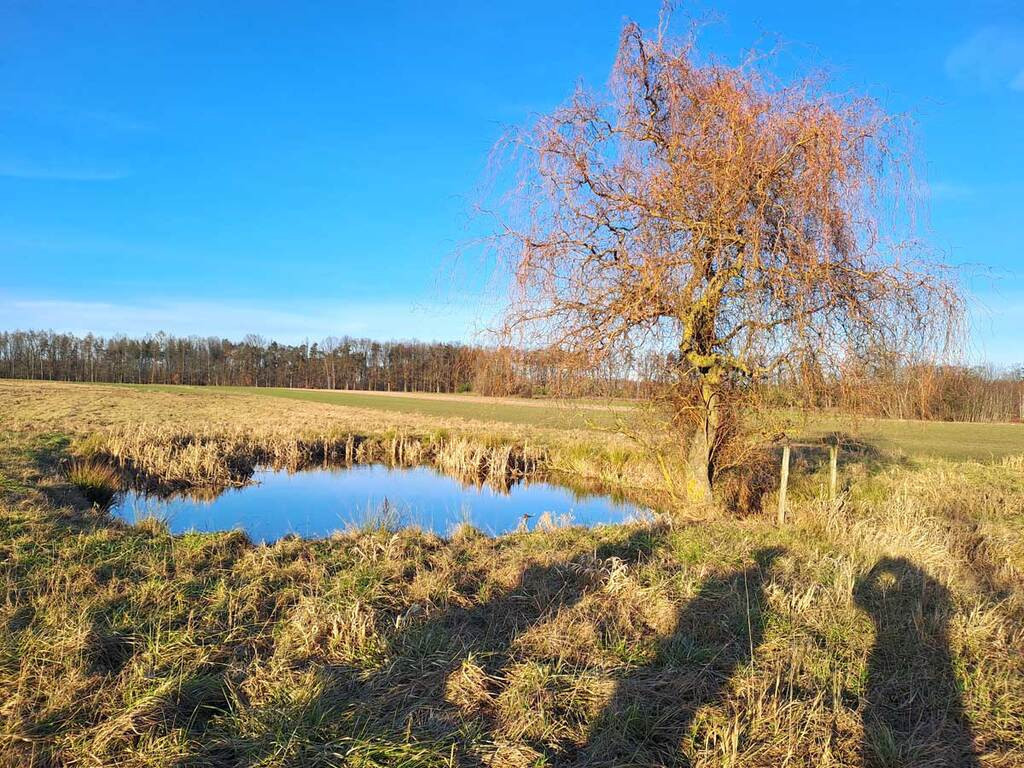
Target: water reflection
(318, 502)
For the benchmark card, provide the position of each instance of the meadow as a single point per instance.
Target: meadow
(882, 628)
(951, 440)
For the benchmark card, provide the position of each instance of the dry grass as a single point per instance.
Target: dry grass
(222, 457)
(196, 437)
(881, 630)
(97, 481)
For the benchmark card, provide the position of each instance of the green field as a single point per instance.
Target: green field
(935, 439)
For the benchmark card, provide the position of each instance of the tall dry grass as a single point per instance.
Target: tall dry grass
(168, 455)
(97, 481)
(882, 629)
(216, 439)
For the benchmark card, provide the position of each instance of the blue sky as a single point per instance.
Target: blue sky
(304, 169)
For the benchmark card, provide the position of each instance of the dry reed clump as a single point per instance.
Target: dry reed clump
(192, 439)
(173, 456)
(1014, 462)
(617, 467)
(744, 489)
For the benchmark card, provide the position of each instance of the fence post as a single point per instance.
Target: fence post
(833, 470)
(783, 484)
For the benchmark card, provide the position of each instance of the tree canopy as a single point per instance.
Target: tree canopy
(711, 210)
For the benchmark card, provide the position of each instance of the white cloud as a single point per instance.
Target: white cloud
(378, 320)
(993, 57)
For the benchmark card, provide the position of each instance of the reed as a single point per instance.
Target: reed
(172, 457)
(196, 437)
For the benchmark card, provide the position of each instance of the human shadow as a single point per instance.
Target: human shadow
(652, 708)
(914, 713)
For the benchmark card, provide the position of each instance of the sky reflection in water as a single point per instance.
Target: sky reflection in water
(318, 502)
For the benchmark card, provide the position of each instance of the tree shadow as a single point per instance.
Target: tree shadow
(408, 703)
(914, 713)
(810, 456)
(652, 709)
(486, 633)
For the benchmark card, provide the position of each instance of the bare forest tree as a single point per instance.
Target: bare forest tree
(732, 221)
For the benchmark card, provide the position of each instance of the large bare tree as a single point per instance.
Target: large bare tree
(741, 222)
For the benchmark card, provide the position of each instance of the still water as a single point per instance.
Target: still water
(318, 502)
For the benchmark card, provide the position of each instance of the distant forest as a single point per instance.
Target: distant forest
(333, 363)
(872, 388)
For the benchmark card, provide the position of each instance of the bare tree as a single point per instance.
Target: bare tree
(736, 223)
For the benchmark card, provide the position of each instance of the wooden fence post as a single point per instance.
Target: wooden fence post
(783, 484)
(833, 470)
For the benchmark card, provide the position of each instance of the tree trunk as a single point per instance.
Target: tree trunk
(701, 458)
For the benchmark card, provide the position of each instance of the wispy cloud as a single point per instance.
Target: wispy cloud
(993, 57)
(380, 320)
(43, 111)
(44, 172)
(996, 314)
(945, 190)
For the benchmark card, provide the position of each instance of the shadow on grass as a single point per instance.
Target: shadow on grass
(403, 713)
(48, 451)
(914, 713)
(812, 455)
(48, 458)
(652, 709)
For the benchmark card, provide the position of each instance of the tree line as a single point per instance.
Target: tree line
(332, 363)
(883, 386)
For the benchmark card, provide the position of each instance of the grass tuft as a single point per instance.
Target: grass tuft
(98, 482)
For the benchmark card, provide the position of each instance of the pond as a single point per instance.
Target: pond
(318, 502)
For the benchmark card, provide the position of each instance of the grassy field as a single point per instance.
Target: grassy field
(929, 439)
(551, 414)
(914, 438)
(883, 629)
